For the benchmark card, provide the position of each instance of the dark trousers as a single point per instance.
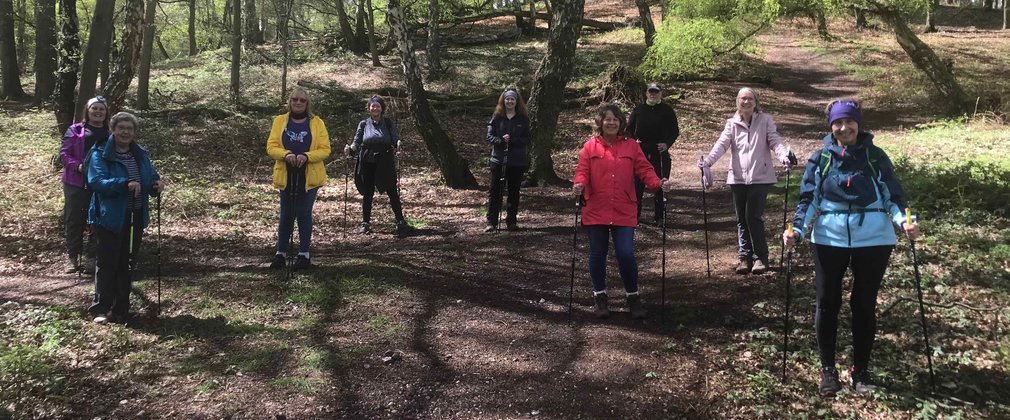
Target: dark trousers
(624, 250)
(368, 193)
(868, 266)
(112, 275)
(75, 219)
(661, 164)
(299, 207)
(513, 179)
(749, 202)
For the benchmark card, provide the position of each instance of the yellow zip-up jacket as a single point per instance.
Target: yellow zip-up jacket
(315, 171)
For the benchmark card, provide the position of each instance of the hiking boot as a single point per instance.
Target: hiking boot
(278, 262)
(71, 265)
(365, 228)
(744, 267)
(862, 381)
(512, 227)
(829, 382)
(89, 266)
(489, 228)
(602, 308)
(635, 306)
(759, 267)
(302, 263)
(114, 318)
(403, 229)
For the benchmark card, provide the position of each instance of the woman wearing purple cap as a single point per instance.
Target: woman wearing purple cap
(751, 137)
(77, 142)
(851, 187)
(377, 144)
(509, 133)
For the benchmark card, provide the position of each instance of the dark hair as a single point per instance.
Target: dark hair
(87, 107)
(499, 109)
(376, 98)
(601, 113)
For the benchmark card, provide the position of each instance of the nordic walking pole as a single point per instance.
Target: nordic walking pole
(503, 182)
(785, 200)
(662, 196)
(292, 196)
(343, 223)
(922, 307)
(158, 312)
(575, 238)
(704, 212)
(789, 280)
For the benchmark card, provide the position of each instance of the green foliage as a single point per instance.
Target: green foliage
(690, 48)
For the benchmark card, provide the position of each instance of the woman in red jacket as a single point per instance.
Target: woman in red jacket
(605, 177)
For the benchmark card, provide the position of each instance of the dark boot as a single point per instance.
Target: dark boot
(278, 261)
(602, 308)
(829, 382)
(72, 264)
(744, 267)
(365, 228)
(862, 381)
(635, 306)
(302, 263)
(404, 229)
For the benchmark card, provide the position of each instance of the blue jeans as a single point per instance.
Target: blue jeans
(301, 208)
(624, 249)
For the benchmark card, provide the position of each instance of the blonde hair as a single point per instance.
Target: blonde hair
(308, 99)
(757, 99)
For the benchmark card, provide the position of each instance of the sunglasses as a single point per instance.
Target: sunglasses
(299, 100)
(654, 90)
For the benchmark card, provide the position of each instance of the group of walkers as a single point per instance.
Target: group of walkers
(849, 195)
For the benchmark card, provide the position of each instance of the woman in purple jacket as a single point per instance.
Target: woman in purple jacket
(751, 137)
(78, 140)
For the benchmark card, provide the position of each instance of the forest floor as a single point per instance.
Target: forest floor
(451, 322)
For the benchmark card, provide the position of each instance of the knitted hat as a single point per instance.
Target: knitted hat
(378, 99)
(845, 109)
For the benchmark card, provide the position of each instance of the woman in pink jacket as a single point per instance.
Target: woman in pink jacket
(77, 143)
(751, 137)
(605, 177)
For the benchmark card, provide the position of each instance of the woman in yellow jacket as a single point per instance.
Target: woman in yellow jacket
(298, 143)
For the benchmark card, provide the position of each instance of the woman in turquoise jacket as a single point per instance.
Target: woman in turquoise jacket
(851, 188)
(122, 177)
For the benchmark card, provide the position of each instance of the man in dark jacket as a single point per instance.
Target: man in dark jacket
(654, 125)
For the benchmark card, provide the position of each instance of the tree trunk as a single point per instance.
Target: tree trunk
(1004, 15)
(372, 47)
(146, 51)
(191, 28)
(454, 168)
(68, 64)
(930, 17)
(161, 47)
(127, 56)
(253, 32)
(435, 69)
(104, 67)
(10, 72)
(521, 24)
(236, 50)
(346, 32)
(988, 5)
(22, 13)
(860, 18)
(646, 15)
(822, 24)
(926, 60)
(548, 88)
(45, 49)
(283, 19)
(360, 36)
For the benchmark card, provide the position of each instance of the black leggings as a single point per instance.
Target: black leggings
(368, 185)
(513, 179)
(868, 266)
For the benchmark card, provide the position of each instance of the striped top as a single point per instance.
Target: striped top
(133, 172)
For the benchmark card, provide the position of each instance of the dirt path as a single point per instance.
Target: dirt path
(482, 326)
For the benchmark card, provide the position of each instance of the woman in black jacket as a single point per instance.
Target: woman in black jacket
(509, 133)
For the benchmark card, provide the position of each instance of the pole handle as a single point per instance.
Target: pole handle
(789, 228)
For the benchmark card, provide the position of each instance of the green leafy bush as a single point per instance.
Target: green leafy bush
(691, 48)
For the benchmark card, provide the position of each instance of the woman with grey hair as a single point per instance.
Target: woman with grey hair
(122, 177)
(751, 137)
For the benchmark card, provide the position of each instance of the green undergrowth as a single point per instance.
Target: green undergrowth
(956, 179)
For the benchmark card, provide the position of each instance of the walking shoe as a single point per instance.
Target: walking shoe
(302, 263)
(403, 228)
(862, 381)
(89, 266)
(635, 305)
(365, 228)
(602, 308)
(512, 227)
(114, 318)
(829, 382)
(744, 267)
(278, 261)
(71, 265)
(101, 319)
(759, 267)
(489, 228)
